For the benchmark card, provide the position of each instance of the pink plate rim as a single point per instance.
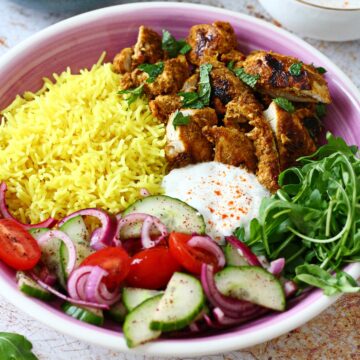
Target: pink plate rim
(232, 340)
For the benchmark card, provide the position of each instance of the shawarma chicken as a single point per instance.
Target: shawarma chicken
(232, 146)
(210, 40)
(276, 79)
(186, 144)
(164, 105)
(292, 137)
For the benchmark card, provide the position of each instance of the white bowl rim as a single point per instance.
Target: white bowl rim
(199, 346)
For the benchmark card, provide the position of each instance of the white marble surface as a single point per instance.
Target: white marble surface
(333, 335)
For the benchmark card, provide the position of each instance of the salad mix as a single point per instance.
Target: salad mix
(154, 269)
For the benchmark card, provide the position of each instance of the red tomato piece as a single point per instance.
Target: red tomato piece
(191, 258)
(152, 268)
(115, 261)
(18, 248)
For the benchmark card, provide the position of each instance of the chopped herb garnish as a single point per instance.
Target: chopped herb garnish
(230, 65)
(321, 70)
(285, 104)
(153, 70)
(180, 119)
(191, 100)
(295, 69)
(16, 347)
(204, 89)
(313, 220)
(248, 79)
(134, 93)
(320, 110)
(172, 46)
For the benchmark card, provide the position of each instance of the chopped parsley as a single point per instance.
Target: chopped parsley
(204, 89)
(321, 70)
(230, 65)
(285, 104)
(320, 109)
(153, 70)
(295, 69)
(134, 94)
(180, 119)
(172, 46)
(248, 79)
(191, 100)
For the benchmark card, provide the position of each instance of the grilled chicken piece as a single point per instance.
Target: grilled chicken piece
(164, 105)
(292, 137)
(236, 56)
(211, 40)
(148, 47)
(186, 144)
(122, 62)
(232, 146)
(170, 81)
(246, 109)
(190, 84)
(276, 80)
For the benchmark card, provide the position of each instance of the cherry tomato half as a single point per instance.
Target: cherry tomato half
(18, 248)
(152, 268)
(115, 261)
(191, 258)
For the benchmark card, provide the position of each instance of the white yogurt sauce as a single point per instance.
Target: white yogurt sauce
(227, 196)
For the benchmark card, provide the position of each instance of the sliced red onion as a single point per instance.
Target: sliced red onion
(194, 327)
(276, 266)
(67, 298)
(224, 320)
(77, 281)
(109, 224)
(96, 240)
(230, 306)
(144, 192)
(245, 251)
(289, 288)
(148, 222)
(57, 234)
(4, 211)
(208, 244)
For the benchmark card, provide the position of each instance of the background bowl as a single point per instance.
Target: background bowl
(323, 22)
(78, 42)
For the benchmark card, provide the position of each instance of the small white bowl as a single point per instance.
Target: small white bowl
(311, 18)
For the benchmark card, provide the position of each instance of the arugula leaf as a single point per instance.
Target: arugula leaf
(153, 70)
(320, 109)
(173, 47)
(134, 93)
(313, 221)
(180, 119)
(15, 347)
(191, 100)
(204, 87)
(285, 104)
(248, 79)
(295, 69)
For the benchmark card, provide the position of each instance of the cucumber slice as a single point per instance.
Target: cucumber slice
(181, 303)
(50, 254)
(174, 213)
(233, 256)
(117, 312)
(29, 287)
(76, 229)
(253, 284)
(136, 327)
(132, 297)
(88, 315)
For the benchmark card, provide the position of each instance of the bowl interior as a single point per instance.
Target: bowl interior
(79, 42)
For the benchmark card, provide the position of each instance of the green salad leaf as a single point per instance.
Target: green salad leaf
(153, 70)
(15, 347)
(313, 221)
(134, 94)
(172, 46)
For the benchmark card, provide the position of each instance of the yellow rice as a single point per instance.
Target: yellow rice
(77, 144)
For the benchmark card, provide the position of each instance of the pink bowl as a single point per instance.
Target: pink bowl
(78, 42)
